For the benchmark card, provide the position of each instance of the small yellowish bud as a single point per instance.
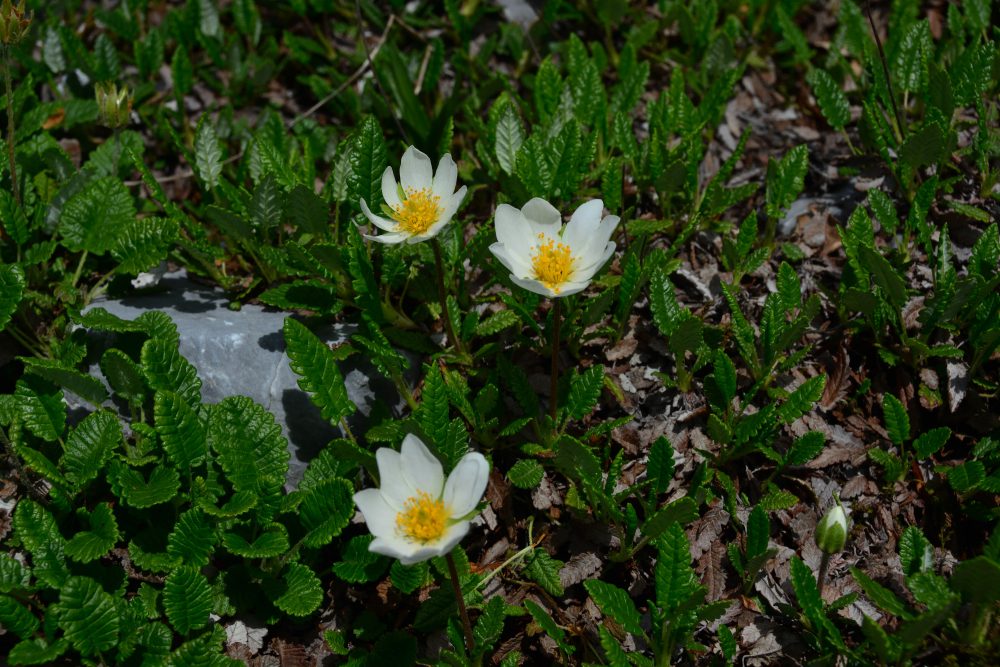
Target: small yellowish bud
(14, 22)
(114, 105)
(831, 532)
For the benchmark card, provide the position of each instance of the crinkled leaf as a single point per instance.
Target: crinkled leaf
(358, 565)
(326, 510)
(11, 289)
(269, 544)
(43, 410)
(87, 615)
(144, 243)
(93, 218)
(180, 429)
(303, 592)
(187, 599)
(134, 489)
(91, 544)
(167, 370)
(89, 446)
(526, 474)
(192, 538)
(251, 449)
(897, 421)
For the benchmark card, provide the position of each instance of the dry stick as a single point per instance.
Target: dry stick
(371, 65)
(470, 642)
(443, 297)
(885, 69)
(358, 73)
(554, 386)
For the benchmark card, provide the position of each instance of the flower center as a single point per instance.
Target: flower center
(418, 210)
(423, 518)
(552, 263)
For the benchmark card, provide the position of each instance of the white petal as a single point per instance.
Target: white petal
(453, 201)
(532, 285)
(378, 220)
(394, 547)
(583, 224)
(389, 191)
(466, 484)
(379, 516)
(590, 265)
(514, 232)
(542, 216)
(391, 239)
(415, 170)
(598, 241)
(393, 486)
(572, 287)
(513, 263)
(452, 537)
(420, 467)
(445, 178)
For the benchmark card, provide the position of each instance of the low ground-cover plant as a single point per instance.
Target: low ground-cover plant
(664, 392)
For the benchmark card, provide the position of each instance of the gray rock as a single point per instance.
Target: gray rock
(242, 352)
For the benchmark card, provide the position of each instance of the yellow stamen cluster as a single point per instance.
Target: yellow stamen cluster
(418, 211)
(552, 263)
(423, 518)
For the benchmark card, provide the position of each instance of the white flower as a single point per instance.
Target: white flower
(547, 258)
(831, 531)
(415, 514)
(421, 204)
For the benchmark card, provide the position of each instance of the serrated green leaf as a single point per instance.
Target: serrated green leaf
(682, 510)
(326, 510)
(778, 499)
(830, 97)
(89, 446)
(133, 488)
(526, 474)
(584, 392)
(758, 532)
(86, 387)
(358, 564)
(180, 429)
(368, 161)
(93, 218)
(14, 575)
(42, 408)
(929, 442)
(897, 421)
(166, 370)
(143, 243)
(785, 180)
(509, 138)
(615, 604)
(271, 543)
(725, 376)
(660, 466)
(192, 539)
(802, 399)
(37, 530)
(87, 615)
(544, 569)
(16, 618)
(207, 153)
(408, 578)
(187, 599)
(91, 544)
(318, 372)
(497, 322)
(250, 447)
(37, 651)
(675, 579)
(303, 593)
(546, 623)
(966, 476)
(805, 448)
(925, 146)
(882, 597)
(11, 290)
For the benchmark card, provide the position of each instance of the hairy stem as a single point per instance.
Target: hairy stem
(470, 642)
(554, 386)
(443, 297)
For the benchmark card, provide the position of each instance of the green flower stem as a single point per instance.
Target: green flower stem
(10, 126)
(554, 382)
(443, 297)
(470, 642)
(79, 267)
